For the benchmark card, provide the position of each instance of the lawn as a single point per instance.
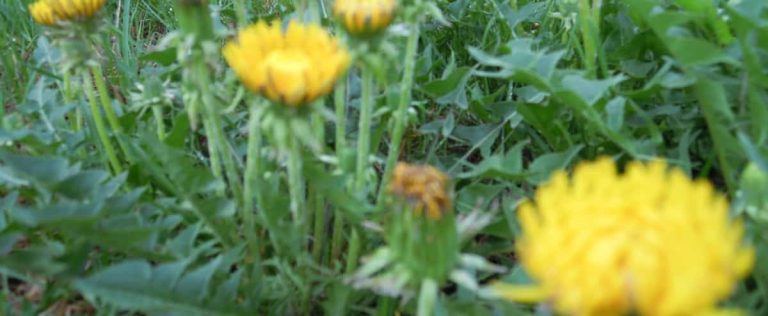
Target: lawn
(384, 157)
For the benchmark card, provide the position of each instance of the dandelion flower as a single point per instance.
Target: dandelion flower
(424, 186)
(364, 17)
(42, 13)
(48, 12)
(650, 241)
(294, 66)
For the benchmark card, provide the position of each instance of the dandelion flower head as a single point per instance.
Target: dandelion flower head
(49, 12)
(292, 66)
(424, 186)
(363, 17)
(649, 241)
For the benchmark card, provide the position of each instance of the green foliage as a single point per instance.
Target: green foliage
(504, 93)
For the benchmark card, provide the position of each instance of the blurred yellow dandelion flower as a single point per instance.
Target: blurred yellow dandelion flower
(48, 12)
(424, 186)
(294, 66)
(364, 17)
(42, 13)
(650, 241)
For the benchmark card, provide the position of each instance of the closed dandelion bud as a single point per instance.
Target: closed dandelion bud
(364, 17)
(649, 242)
(293, 67)
(425, 187)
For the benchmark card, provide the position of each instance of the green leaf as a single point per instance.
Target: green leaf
(81, 185)
(42, 170)
(451, 89)
(697, 52)
(720, 120)
(590, 91)
(614, 111)
(543, 166)
(164, 57)
(133, 285)
(195, 284)
(508, 166)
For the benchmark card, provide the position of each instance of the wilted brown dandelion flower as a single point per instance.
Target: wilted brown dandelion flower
(424, 186)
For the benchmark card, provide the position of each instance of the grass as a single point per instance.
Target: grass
(188, 198)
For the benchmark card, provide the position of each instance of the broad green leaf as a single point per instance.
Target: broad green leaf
(697, 52)
(543, 166)
(196, 283)
(451, 89)
(81, 185)
(508, 166)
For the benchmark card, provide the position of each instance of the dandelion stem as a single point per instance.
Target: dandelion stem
(68, 97)
(98, 121)
(251, 180)
(318, 201)
(296, 187)
(217, 142)
(588, 29)
(98, 78)
(364, 130)
(157, 112)
(340, 102)
(354, 251)
(363, 150)
(318, 213)
(213, 153)
(337, 237)
(427, 298)
(402, 108)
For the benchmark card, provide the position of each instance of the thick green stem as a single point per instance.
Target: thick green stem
(157, 113)
(68, 97)
(296, 187)
(230, 167)
(364, 129)
(427, 298)
(101, 128)
(363, 151)
(589, 37)
(402, 107)
(318, 214)
(340, 103)
(251, 180)
(354, 251)
(213, 153)
(217, 141)
(337, 239)
(318, 201)
(98, 78)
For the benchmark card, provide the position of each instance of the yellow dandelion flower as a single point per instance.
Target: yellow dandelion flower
(48, 12)
(364, 17)
(294, 66)
(73, 9)
(42, 13)
(650, 241)
(424, 186)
